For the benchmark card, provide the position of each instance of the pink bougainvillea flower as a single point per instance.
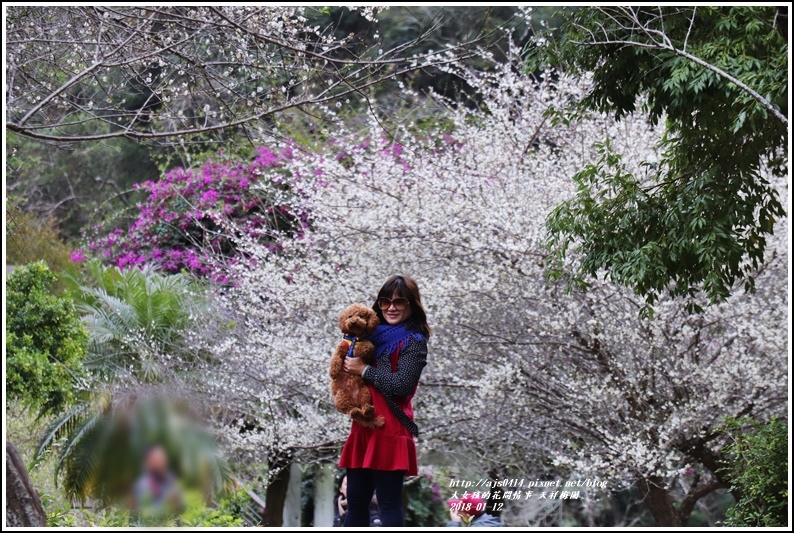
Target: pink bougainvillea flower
(77, 256)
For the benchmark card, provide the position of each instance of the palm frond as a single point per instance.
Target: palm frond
(81, 458)
(57, 429)
(136, 318)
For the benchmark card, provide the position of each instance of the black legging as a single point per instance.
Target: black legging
(386, 484)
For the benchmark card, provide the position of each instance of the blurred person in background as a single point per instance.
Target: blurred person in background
(470, 512)
(340, 506)
(340, 503)
(156, 495)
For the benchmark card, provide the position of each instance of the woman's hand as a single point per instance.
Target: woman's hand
(342, 505)
(354, 365)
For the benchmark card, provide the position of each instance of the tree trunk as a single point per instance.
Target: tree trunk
(659, 503)
(23, 505)
(292, 498)
(497, 493)
(324, 491)
(276, 494)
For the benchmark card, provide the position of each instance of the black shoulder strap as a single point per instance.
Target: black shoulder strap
(409, 424)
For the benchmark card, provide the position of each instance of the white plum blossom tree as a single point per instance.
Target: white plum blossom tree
(523, 378)
(183, 73)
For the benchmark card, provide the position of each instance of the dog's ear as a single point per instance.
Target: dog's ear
(373, 321)
(343, 320)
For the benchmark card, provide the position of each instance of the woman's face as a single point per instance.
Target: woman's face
(393, 315)
(343, 487)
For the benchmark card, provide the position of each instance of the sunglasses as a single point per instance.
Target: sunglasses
(398, 303)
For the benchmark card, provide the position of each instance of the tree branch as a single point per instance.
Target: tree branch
(661, 41)
(75, 79)
(695, 494)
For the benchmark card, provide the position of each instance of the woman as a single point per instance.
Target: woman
(340, 502)
(340, 506)
(377, 459)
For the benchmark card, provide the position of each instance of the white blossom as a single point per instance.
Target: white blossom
(519, 372)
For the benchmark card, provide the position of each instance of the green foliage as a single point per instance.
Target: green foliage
(234, 502)
(307, 496)
(697, 222)
(45, 340)
(58, 515)
(64, 515)
(138, 319)
(196, 150)
(758, 471)
(76, 183)
(426, 507)
(22, 426)
(196, 513)
(30, 239)
(101, 448)
(227, 514)
(67, 516)
(114, 518)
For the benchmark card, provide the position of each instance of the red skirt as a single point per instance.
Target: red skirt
(390, 447)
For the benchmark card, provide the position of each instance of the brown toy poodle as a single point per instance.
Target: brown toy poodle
(349, 392)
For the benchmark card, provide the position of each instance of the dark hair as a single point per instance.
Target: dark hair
(405, 287)
(149, 448)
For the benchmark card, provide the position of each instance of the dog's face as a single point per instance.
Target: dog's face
(358, 320)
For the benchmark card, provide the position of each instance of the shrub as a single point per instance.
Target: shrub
(178, 225)
(227, 514)
(426, 507)
(759, 471)
(30, 239)
(45, 340)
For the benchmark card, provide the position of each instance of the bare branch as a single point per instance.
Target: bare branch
(689, 31)
(164, 72)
